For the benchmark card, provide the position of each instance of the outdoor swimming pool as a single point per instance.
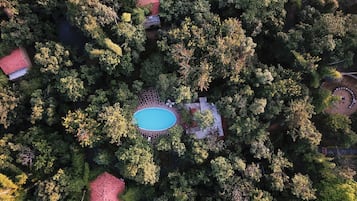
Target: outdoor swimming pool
(155, 119)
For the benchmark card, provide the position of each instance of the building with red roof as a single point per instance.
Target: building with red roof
(106, 187)
(153, 4)
(16, 64)
(152, 21)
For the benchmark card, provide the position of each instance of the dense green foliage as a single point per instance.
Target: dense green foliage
(261, 62)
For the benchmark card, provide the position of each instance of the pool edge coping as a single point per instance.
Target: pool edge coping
(154, 134)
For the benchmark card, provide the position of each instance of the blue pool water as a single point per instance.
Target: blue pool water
(155, 119)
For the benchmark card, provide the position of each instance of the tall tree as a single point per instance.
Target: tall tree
(82, 126)
(116, 125)
(302, 187)
(278, 176)
(71, 85)
(298, 116)
(256, 15)
(11, 190)
(219, 49)
(174, 12)
(53, 189)
(52, 57)
(37, 106)
(136, 162)
(222, 169)
(8, 102)
(172, 142)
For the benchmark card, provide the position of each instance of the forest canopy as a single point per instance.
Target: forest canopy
(271, 69)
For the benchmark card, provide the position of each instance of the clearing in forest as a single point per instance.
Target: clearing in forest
(346, 90)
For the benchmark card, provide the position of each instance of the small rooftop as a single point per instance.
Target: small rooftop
(106, 187)
(14, 64)
(155, 5)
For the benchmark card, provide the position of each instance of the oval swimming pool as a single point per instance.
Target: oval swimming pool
(155, 119)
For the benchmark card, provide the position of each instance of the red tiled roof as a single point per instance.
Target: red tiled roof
(155, 5)
(146, 2)
(106, 187)
(155, 8)
(15, 61)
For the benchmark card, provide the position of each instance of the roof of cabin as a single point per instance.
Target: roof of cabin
(17, 74)
(106, 187)
(15, 61)
(154, 3)
(146, 2)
